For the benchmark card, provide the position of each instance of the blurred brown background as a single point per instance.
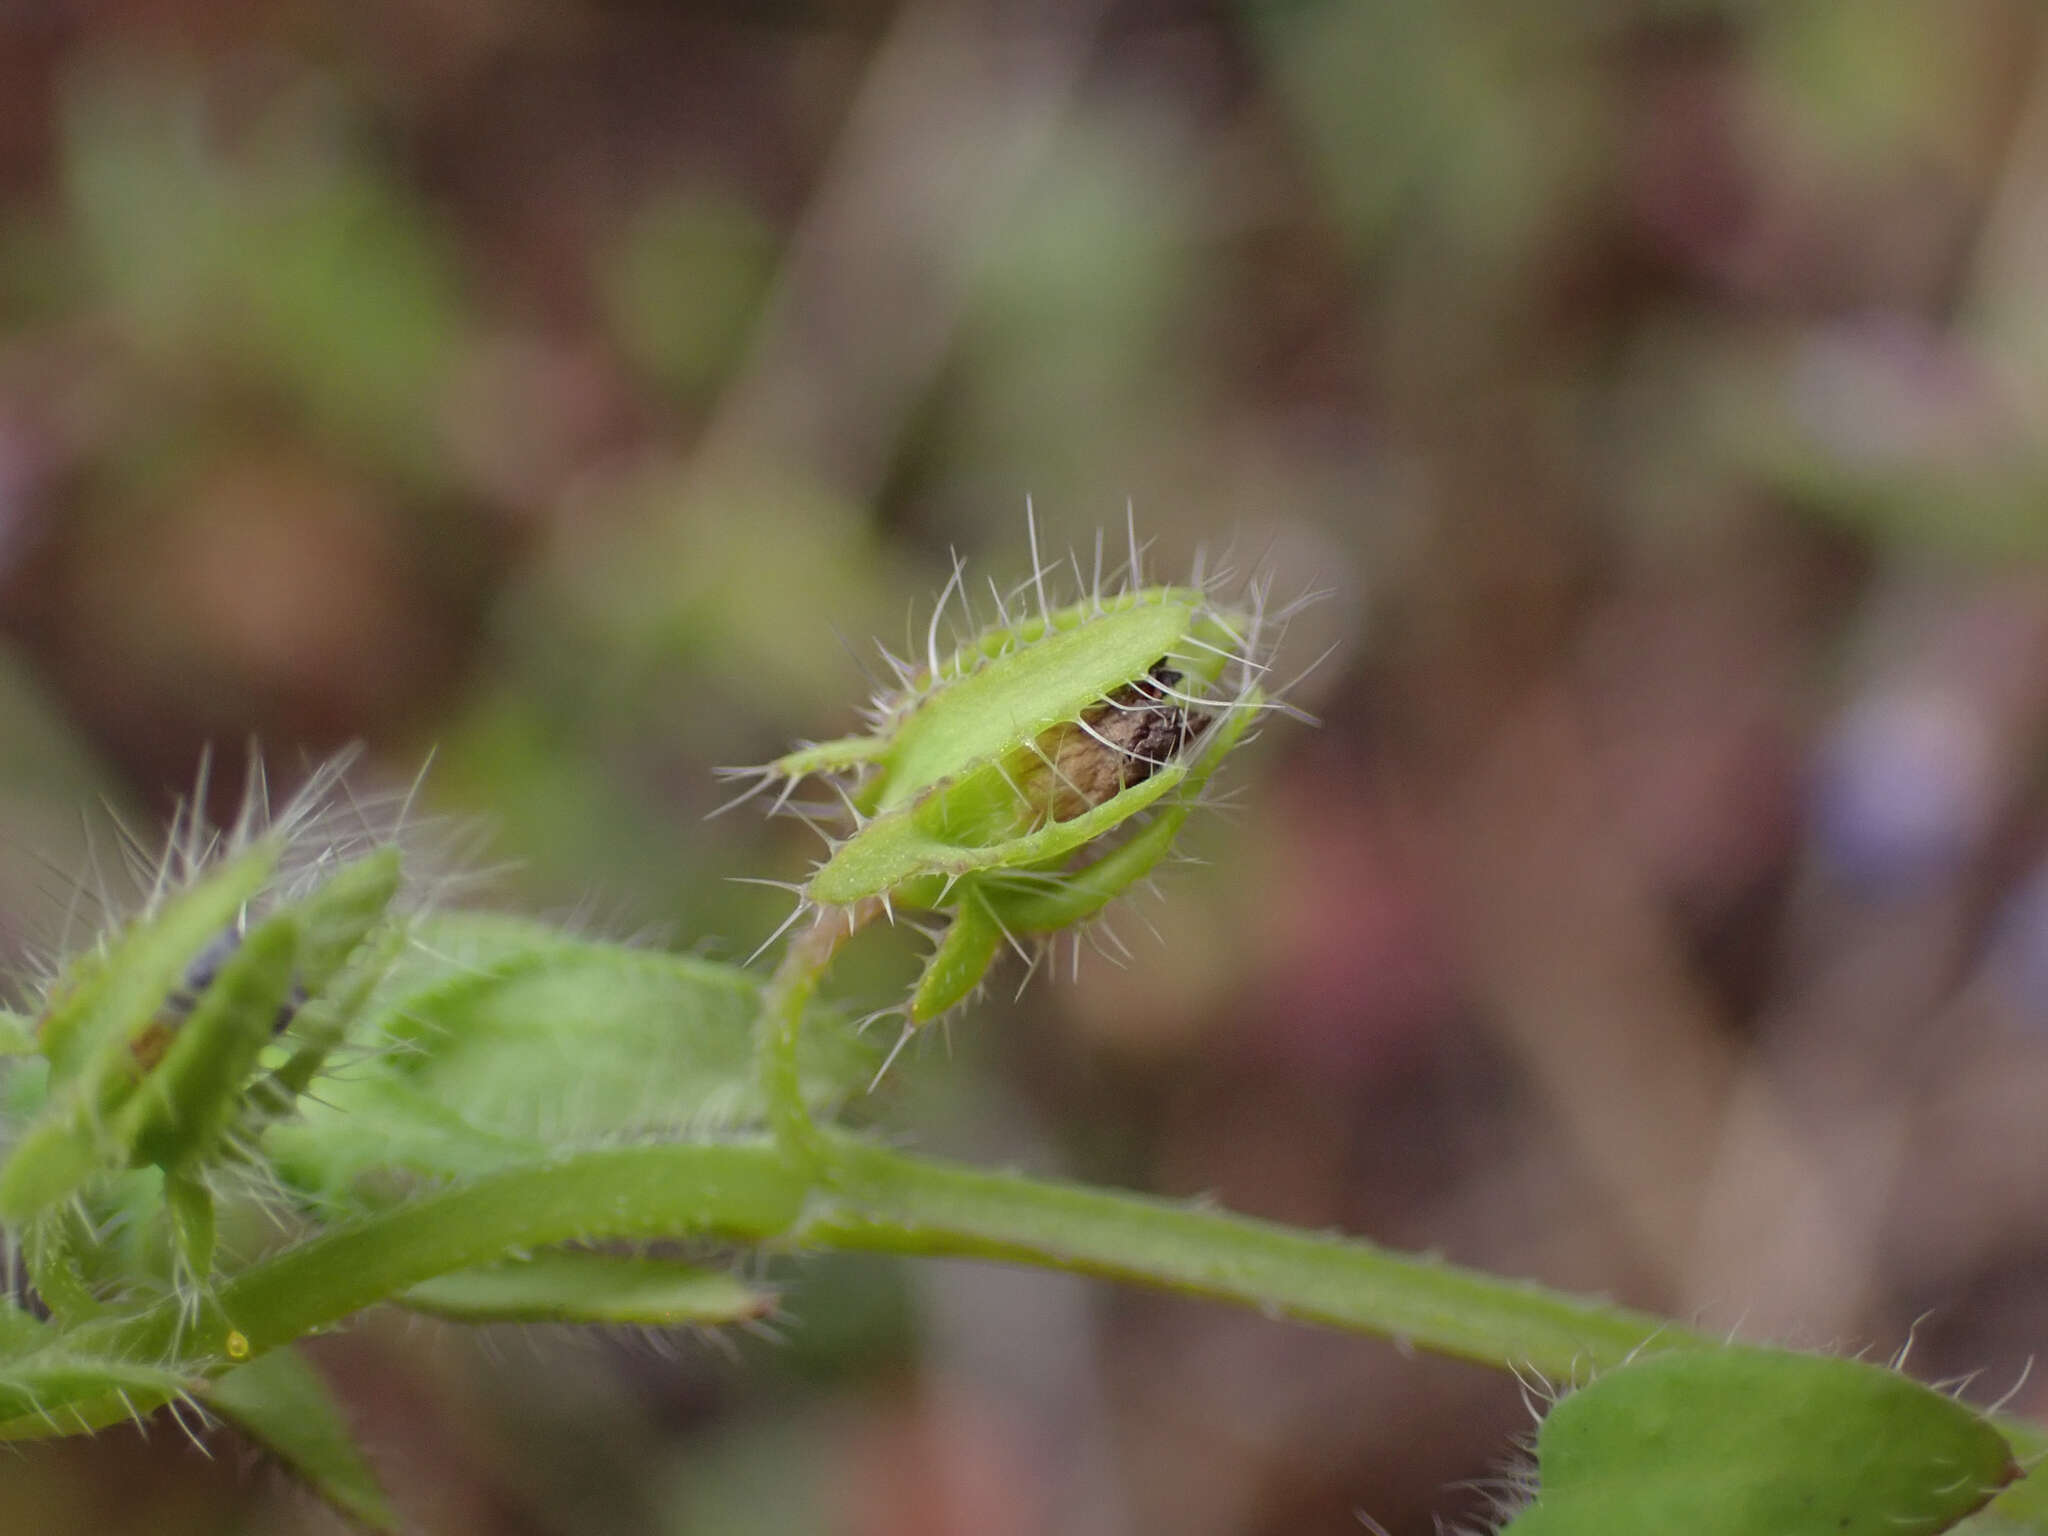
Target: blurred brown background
(574, 386)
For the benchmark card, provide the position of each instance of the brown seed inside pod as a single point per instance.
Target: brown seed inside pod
(1124, 740)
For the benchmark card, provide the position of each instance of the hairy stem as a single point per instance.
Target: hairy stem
(863, 1198)
(779, 1032)
(899, 1204)
(747, 1191)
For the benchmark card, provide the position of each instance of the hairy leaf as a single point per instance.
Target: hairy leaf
(1758, 1442)
(498, 1041)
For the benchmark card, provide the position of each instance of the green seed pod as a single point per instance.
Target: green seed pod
(1023, 779)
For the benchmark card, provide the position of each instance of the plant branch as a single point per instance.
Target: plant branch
(747, 1191)
(872, 1199)
(899, 1204)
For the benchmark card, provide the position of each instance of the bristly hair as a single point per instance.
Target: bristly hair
(327, 821)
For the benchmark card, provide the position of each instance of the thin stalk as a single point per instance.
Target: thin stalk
(779, 1032)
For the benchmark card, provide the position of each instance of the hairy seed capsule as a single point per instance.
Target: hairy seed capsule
(1124, 740)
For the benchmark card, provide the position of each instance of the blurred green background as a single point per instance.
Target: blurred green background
(577, 389)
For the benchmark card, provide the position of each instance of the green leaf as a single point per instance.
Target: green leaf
(17, 1034)
(367, 1146)
(51, 1160)
(338, 916)
(21, 1331)
(575, 1286)
(500, 1040)
(571, 1042)
(1757, 1442)
(281, 1402)
(346, 952)
(321, 1025)
(450, 946)
(2022, 1509)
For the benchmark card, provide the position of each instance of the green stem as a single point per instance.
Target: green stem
(748, 1191)
(743, 1190)
(878, 1201)
(893, 1203)
(779, 1033)
(867, 1198)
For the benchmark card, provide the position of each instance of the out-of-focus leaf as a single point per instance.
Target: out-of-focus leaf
(1076, 331)
(1883, 85)
(307, 266)
(571, 1286)
(20, 1331)
(280, 1401)
(54, 1246)
(336, 918)
(682, 286)
(42, 1385)
(1906, 434)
